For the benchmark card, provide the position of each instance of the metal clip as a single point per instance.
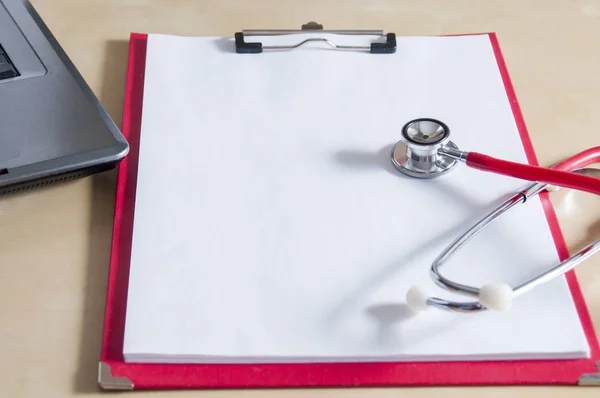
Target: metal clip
(243, 47)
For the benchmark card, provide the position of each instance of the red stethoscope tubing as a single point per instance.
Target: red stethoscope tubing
(559, 175)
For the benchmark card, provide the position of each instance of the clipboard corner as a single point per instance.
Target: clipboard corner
(590, 379)
(107, 381)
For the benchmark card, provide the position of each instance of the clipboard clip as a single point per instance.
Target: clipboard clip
(244, 47)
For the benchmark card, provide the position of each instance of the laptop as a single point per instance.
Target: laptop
(52, 126)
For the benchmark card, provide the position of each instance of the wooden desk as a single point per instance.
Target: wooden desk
(55, 241)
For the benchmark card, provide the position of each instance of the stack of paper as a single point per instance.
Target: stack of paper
(270, 225)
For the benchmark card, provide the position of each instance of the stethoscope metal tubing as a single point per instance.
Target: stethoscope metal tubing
(552, 273)
(426, 151)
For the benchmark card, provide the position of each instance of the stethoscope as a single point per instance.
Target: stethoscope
(425, 151)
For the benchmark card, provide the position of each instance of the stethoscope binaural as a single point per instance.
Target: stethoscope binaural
(425, 151)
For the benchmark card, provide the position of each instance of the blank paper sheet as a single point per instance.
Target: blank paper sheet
(270, 225)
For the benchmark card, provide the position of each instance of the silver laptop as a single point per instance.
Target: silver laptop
(52, 127)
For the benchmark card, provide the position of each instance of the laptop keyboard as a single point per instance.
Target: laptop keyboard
(7, 69)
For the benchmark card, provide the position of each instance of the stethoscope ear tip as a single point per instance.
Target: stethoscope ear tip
(416, 299)
(496, 297)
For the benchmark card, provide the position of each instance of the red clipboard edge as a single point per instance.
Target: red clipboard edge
(114, 373)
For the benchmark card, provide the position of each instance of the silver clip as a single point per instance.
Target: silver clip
(243, 47)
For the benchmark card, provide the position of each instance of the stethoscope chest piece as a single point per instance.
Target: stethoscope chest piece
(416, 154)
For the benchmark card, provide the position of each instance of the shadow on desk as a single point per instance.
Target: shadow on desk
(101, 223)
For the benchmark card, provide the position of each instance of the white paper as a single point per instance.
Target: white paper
(270, 225)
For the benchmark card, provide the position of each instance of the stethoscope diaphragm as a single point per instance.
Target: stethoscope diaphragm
(417, 153)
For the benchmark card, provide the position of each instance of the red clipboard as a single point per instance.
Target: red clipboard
(115, 373)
